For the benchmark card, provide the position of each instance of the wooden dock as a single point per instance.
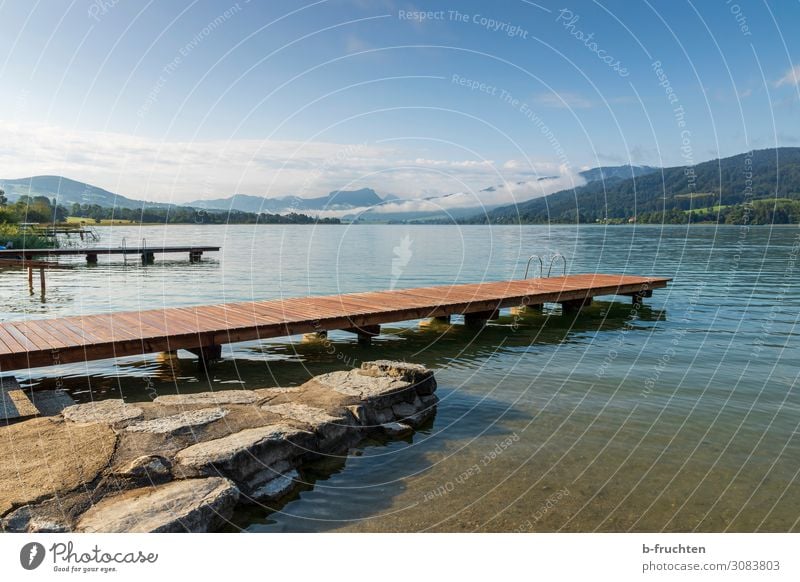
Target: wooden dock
(91, 253)
(204, 329)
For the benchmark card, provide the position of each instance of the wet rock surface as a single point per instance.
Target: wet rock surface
(183, 462)
(190, 505)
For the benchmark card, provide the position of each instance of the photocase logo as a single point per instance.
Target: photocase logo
(31, 555)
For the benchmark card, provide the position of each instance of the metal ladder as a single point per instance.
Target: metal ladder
(553, 260)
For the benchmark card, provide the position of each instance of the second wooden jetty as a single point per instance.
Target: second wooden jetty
(91, 253)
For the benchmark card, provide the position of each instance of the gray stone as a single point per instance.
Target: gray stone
(419, 376)
(243, 454)
(404, 370)
(178, 422)
(382, 416)
(102, 412)
(153, 467)
(193, 505)
(277, 487)
(403, 410)
(397, 429)
(18, 520)
(354, 383)
(359, 414)
(324, 424)
(217, 397)
(26, 520)
(42, 525)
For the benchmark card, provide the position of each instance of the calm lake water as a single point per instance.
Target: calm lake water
(682, 415)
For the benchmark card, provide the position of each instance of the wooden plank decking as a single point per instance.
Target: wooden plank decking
(44, 342)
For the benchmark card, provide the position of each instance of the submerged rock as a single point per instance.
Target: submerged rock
(397, 429)
(192, 505)
(278, 487)
(51, 402)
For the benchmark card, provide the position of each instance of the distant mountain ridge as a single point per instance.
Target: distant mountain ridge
(364, 202)
(336, 200)
(772, 174)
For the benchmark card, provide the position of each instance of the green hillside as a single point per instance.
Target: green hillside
(724, 190)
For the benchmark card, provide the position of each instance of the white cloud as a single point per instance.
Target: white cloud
(792, 77)
(502, 194)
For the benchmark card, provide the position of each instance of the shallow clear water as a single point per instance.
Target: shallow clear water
(681, 415)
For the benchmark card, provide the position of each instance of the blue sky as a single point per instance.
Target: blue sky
(186, 100)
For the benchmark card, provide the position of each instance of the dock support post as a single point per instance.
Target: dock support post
(30, 279)
(481, 317)
(365, 333)
(575, 305)
(207, 354)
(41, 280)
(148, 258)
(636, 298)
(91, 258)
(195, 256)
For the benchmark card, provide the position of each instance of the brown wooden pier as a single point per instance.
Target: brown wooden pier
(204, 329)
(91, 253)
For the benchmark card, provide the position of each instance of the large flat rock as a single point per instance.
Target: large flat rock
(362, 385)
(103, 411)
(243, 454)
(209, 398)
(191, 505)
(42, 457)
(178, 422)
(325, 424)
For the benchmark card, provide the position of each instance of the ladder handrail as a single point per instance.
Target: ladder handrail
(528, 266)
(553, 260)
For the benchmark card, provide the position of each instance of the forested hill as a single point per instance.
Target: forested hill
(764, 183)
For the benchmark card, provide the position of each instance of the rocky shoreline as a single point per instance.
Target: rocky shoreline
(184, 462)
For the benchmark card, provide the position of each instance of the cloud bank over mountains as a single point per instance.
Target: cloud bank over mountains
(180, 171)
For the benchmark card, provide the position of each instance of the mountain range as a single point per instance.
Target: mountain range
(605, 193)
(364, 205)
(336, 200)
(761, 175)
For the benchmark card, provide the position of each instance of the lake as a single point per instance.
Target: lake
(681, 415)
